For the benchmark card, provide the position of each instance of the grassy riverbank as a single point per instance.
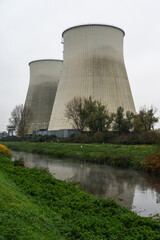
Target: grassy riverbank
(112, 154)
(34, 205)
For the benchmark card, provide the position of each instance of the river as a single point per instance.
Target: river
(133, 189)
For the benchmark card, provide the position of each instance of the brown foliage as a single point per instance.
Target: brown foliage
(152, 163)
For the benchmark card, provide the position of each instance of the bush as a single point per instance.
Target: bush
(80, 138)
(40, 138)
(4, 150)
(122, 139)
(152, 163)
(98, 137)
(150, 137)
(10, 139)
(19, 163)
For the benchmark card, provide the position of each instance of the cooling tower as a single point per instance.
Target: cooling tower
(93, 66)
(44, 77)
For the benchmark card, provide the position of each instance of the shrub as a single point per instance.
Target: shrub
(10, 139)
(122, 139)
(4, 150)
(150, 137)
(152, 163)
(80, 138)
(98, 136)
(85, 138)
(40, 138)
(19, 163)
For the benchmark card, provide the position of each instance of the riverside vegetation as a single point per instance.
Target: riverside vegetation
(34, 205)
(113, 154)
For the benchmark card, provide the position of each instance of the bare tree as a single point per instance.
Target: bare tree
(25, 121)
(21, 118)
(73, 112)
(16, 116)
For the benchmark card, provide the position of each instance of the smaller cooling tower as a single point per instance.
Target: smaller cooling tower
(44, 76)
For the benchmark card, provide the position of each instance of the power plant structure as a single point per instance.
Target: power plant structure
(93, 66)
(44, 77)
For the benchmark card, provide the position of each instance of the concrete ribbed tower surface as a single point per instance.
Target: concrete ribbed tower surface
(44, 77)
(93, 66)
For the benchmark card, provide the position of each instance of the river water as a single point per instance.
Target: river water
(133, 189)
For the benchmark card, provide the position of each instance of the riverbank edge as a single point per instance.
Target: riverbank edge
(62, 208)
(125, 156)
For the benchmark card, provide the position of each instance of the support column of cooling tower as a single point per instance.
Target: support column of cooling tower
(44, 77)
(93, 66)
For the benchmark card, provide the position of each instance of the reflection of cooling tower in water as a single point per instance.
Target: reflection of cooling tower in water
(44, 76)
(93, 66)
(108, 182)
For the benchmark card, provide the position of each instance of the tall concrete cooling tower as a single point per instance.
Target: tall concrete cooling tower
(93, 66)
(44, 77)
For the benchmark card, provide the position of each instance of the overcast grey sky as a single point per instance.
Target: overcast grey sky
(32, 29)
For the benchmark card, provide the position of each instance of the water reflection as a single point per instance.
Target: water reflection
(129, 188)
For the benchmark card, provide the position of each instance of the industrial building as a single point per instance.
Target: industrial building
(93, 66)
(44, 76)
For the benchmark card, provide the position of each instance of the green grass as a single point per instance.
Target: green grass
(112, 154)
(34, 205)
(21, 218)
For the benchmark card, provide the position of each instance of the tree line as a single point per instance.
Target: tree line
(90, 116)
(87, 114)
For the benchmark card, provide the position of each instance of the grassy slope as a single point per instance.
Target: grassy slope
(34, 205)
(116, 155)
(20, 217)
